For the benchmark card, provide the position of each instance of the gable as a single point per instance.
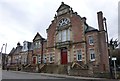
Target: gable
(37, 37)
(62, 7)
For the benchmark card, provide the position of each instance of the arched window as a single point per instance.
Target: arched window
(63, 30)
(63, 22)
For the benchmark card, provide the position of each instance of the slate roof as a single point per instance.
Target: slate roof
(30, 45)
(18, 50)
(12, 51)
(89, 29)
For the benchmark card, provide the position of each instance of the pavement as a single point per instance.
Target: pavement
(71, 77)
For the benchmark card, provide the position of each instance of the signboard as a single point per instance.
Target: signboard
(114, 58)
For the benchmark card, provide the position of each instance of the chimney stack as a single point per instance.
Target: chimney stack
(103, 47)
(100, 20)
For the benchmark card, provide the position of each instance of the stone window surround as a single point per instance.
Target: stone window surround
(78, 54)
(92, 59)
(89, 41)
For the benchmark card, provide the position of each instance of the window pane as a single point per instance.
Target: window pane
(38, 44)
(68, 34)
(92, 55)
(59, 36)
(91, 40)
(39, 59)
(51, 57)
(45, 58)
(79, 55)
(63, 35)
(24, 46)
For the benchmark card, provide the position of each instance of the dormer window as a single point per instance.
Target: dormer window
(24, 47)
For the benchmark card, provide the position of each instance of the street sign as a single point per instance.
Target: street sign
(114, 58)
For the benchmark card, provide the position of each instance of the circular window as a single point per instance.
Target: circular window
(63, 22)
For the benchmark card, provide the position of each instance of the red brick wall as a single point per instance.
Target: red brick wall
(104, 58)
(95, 46)
(77, 29)
(50, 35)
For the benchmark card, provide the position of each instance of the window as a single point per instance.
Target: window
(44, 59)
(37, 44)
(51, 58)
(24, 47)
(92, 55)
(63, 35)
(39, 59)
(79, 55)
(25, 60)
(63, 22)
(91, 40)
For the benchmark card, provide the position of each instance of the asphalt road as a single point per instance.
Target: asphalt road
(25, 76)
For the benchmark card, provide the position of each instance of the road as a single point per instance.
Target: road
(24, 75)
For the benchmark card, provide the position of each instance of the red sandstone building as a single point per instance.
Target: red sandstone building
(71, 41)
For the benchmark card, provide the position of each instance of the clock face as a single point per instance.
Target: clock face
(63, 22)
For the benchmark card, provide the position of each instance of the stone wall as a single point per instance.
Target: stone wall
(56, 69)
(80, 72)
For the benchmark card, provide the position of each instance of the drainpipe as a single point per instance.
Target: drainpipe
(42, 51)
(110, 57)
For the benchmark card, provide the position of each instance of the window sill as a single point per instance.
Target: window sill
(91, 44)
(79, 60)
(92, 60)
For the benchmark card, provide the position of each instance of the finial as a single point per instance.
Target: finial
(62, 3)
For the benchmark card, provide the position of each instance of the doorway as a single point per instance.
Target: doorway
(64, 59)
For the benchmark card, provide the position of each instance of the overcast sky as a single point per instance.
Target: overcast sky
(21, 19)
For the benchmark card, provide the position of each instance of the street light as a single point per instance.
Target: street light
(1, 55)
(2, 48)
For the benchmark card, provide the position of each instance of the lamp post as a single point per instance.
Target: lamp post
(2, 48)
(1, 56)
(114, 59)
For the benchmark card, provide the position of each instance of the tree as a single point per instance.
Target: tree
(114, 51)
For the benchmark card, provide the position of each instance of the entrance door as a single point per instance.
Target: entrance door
(64, 56)
(34, 60)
